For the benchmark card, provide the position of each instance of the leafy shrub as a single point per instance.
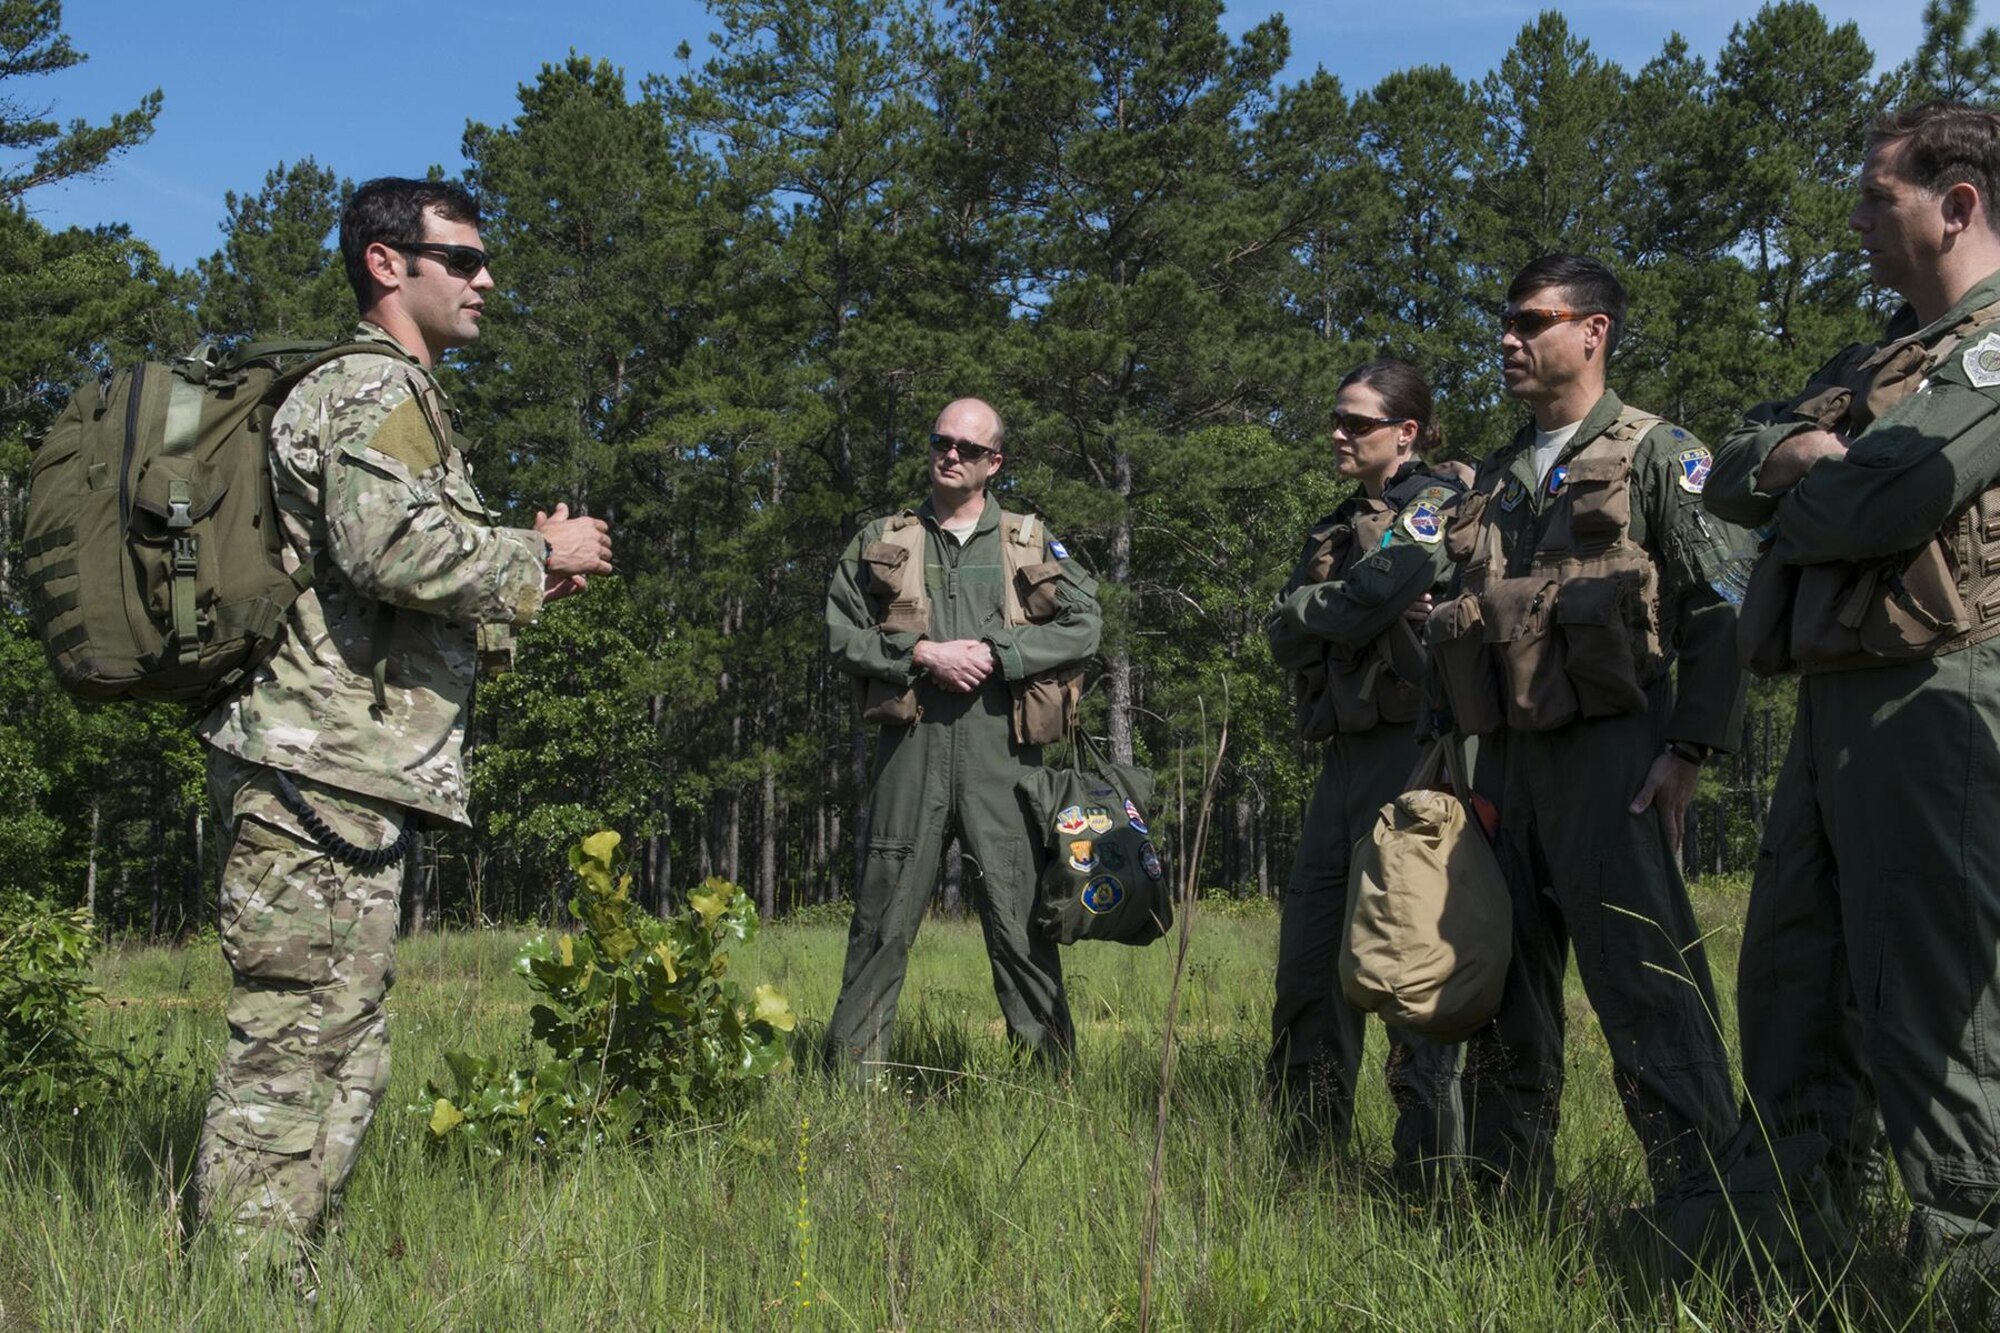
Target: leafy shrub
(641, 1024)
(47, 1060)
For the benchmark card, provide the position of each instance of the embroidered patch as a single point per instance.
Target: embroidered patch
(1694, 465)
(1071, 821)
(1982, 362)
(1132, 817)
(1058, 550)
(1113, 859)
(1098, 818)
(1423, 516)
(1677, 432)
(1097, 791)
(1557, 476)
(1102, 894)
(1149, 861)
(1081, 858)
(1510, 499)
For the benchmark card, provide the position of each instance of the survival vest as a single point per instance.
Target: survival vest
(1045, 704)
(1353, 689)
(1842, 615)
(151, 547)
(1578, 632)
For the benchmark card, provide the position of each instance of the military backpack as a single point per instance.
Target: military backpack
(151, 548)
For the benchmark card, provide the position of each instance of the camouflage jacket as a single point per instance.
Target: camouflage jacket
(407, 566)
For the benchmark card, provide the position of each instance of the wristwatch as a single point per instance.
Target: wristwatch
(1690, 752)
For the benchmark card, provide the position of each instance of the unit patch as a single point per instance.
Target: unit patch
(1149, 860)
(1102, 894)
(1081, 858)
(1422, 517)
(1557, 476)
(1694, 465)
(1098, 818)
(1113, 859)
(1510, 499)
(1070, 820)
(1132, 817)
(1058, 550)
(1982, 362)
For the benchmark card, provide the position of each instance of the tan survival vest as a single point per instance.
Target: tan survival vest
(1844, 615)
(1045, 704)
(1581, 632)
(1357, 689)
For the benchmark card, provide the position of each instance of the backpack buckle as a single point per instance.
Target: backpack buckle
(184, 552)
(178, 515)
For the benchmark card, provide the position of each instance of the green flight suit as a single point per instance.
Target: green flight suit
(1584, 871)
(1868, 971)
(1316, 1036)
(954, 770)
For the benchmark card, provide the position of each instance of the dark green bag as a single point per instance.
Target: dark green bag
(1104, 879)
(151, 546)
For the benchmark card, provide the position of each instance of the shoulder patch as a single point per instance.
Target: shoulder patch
(1422, 518)
(1691, 469)
(1981, 362)
(406, 436)
(1058, 550)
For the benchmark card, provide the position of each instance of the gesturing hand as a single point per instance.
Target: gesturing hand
(578, 547)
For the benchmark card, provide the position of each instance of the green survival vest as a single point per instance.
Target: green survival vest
(151, 549)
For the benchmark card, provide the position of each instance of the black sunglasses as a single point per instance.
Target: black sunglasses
(968, 452)
(1354, 425)
(461, 261)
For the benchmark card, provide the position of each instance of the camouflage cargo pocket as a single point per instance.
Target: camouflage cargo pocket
(272, 910)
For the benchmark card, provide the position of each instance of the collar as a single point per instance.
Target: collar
(375, 333)
(1903, 324)
(1600, 418)
(989, 515)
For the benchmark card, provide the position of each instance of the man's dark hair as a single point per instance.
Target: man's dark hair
(1590, 283)
(1947, 144)
(1404, 391)
(391, 210)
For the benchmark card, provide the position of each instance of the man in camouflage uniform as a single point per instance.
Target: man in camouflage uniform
(1588, 570)
(950, 685)
(357, 723)
(1867, 973)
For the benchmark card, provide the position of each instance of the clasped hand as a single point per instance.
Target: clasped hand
(958, 665)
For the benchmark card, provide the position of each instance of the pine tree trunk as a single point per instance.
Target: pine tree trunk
(1118, 658)
(90, 863)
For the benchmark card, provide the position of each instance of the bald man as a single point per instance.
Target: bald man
(965, 628)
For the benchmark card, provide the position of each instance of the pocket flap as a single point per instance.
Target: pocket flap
(1518, 607)
(178, 492)
(1036, 575)
(1583, 470)
(1590, 602)
(885, 556)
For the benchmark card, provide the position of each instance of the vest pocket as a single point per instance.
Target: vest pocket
(1600, 499)
(1038, 586)
(882, 568)
(1597, 647)
(1316, 713)
(1919, 607)
(884, 704)
(1045, 705)
(1521, 625)
(1461, 535)
(1457, 636)
(1764, 621)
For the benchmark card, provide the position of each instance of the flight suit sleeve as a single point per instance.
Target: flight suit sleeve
(1028, 650)
(400, 530)
(1695, 551)
(854, 642)
(1731, 493)
(1355, 609)
(1901, 479)
(1291, 647)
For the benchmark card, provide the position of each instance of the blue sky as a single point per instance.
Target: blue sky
(377, 87)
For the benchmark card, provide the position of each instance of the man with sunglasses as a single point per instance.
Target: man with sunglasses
(1867, 977)
(329, 752)
(965, 628)
(1586, 570)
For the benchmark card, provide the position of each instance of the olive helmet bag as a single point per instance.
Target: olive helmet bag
(151, 551)
(1103, 878)
(1429, 921)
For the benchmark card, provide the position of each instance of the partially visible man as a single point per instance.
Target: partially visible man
(1586, 568)
(1868, 969)
(965, 628)
(355, 727)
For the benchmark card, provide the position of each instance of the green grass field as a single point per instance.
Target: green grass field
(978, 1196)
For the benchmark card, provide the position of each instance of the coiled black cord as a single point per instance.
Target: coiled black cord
(335, 846)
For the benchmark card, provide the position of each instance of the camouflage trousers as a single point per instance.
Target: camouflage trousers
(311, 946)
